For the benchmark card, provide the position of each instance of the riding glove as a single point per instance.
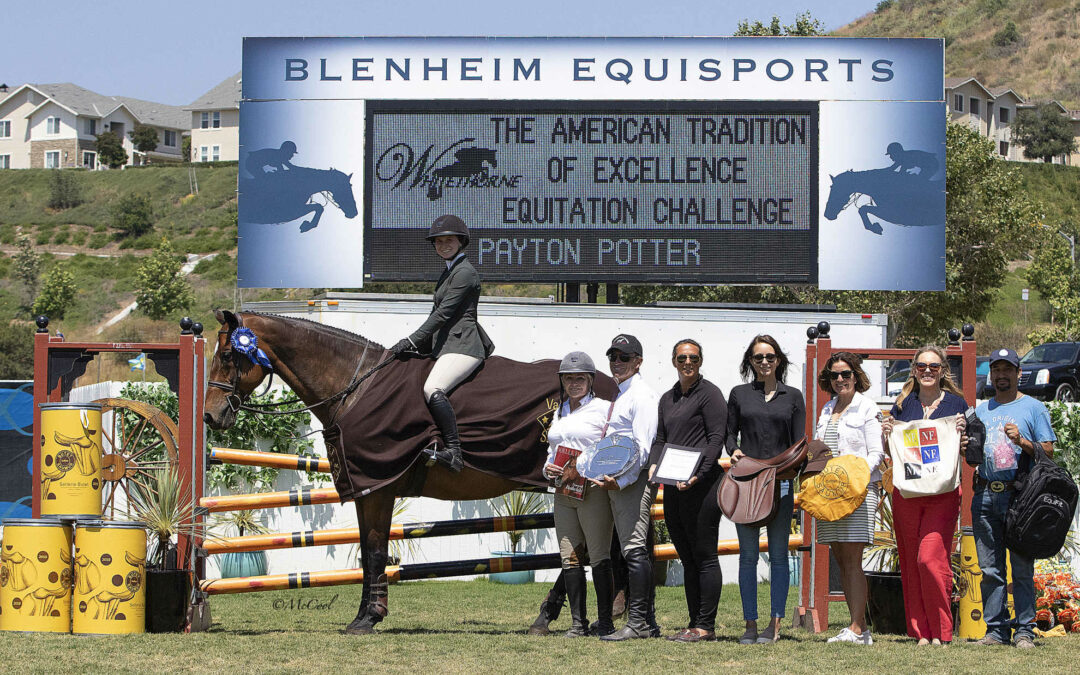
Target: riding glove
(403, 345)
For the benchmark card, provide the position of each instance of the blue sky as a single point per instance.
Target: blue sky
(172, 52)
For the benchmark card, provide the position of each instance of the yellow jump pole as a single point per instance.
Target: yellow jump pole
(278, 582)
(298, 496)
(275, 460)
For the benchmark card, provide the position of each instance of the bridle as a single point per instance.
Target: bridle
(236, 400)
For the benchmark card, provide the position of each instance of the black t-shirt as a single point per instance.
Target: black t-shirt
(760, 428)
(696, 419)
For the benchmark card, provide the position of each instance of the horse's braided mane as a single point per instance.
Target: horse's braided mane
(324, 330)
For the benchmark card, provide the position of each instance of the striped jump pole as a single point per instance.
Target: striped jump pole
(441, 528)
(453, 568)
(298, 496)
(273, 460)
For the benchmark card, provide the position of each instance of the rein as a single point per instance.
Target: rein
(236, 402)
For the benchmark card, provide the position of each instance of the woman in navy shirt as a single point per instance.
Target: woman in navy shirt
(925, 526)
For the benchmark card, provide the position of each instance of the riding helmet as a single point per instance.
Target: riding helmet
(449, 224)
(577, 362)
(288, 146)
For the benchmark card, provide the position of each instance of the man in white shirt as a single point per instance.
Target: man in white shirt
(633, 415)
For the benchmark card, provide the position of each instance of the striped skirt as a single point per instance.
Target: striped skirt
(856, 527)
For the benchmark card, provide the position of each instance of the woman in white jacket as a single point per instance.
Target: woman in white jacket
(582, 526)
(850, 424)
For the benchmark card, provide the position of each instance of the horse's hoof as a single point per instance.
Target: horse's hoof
(875, 228)
(355, 628)
(306, 227)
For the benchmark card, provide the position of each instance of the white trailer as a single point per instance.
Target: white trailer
(532, 329)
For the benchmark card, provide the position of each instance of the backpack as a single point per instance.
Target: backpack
(1041, 511)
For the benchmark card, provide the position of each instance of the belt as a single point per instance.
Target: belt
(994, 485)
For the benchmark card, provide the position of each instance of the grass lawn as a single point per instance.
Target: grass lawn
(478, 626)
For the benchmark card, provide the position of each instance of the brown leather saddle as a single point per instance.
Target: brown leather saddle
(750, 491)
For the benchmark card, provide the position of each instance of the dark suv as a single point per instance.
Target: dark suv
(1051, 371)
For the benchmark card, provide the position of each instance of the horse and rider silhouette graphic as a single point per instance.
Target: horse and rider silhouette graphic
(285, 192)
(903, 194)
(470, 162)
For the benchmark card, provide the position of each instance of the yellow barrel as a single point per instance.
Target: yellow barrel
(35, 576)
(70, 471)
(972, 624)
(110, 578)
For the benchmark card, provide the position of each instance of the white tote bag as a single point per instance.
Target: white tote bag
(925, 456)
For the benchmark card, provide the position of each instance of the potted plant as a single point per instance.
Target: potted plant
(166, 510)
(885, 592)
(517, 503)
(241, 563)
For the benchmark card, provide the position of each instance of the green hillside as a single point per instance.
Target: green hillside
(1040, 59)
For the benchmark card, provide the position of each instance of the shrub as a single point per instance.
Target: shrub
(883, 5)
(78, 238)
(1009, 35)
(99, 240)
(64, 190)
(133, 215)
(16, 351)
(57, 293)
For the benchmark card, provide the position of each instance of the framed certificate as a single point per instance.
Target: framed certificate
(677, 464)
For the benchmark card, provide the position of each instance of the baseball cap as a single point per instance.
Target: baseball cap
(1006, 355)
(627, 344)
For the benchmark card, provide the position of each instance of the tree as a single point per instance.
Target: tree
(57, 292)
(185, 148)
(110, 150)
(145, 139)
(133, 214)
(1044, 132)
(27, 270)
(16, 351)
(162, 289)
(64, 191)
(1054, 276)
(805, 25)
(989, 220)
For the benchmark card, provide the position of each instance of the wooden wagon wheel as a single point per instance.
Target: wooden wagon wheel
(142, 441)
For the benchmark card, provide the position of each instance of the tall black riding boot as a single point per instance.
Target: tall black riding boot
(443, 414)
(575, 593)
(550, 608)
(639, 572)
(601, 574)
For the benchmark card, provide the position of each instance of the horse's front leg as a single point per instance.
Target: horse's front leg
(374, 512)
(864, 213)
(317, 209)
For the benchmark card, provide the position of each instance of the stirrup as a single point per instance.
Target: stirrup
(444, 456)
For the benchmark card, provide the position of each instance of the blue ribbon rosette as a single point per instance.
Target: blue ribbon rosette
(246, 342)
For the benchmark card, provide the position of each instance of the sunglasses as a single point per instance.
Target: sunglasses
(692, 358)
(932, 367)
(761, 358)
(619, 356)
(842, 375)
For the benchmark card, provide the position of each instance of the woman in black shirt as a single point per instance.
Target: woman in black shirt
(693, 414)
(765, 417)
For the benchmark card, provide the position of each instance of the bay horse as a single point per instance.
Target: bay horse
(898, 198)
(318, 362)
(284, 196)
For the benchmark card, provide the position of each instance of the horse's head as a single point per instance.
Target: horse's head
(233, 376)
(839, 195)
(341, 188)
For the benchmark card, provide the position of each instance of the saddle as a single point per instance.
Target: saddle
(750, 492)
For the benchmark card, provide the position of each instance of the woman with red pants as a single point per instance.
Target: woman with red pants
(925, 526)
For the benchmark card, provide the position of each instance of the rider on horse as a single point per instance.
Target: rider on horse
(277, 158)
(905, 161)
(450, 334)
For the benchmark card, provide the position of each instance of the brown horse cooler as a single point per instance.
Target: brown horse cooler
(110, 578)
(35, 576)
(70, 469)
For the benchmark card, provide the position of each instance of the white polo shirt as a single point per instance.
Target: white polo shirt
(634, 415)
